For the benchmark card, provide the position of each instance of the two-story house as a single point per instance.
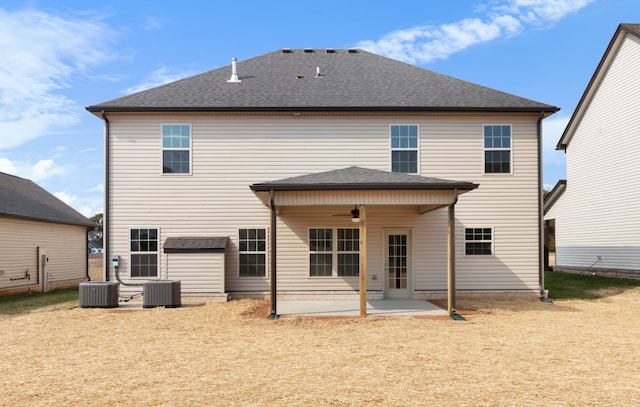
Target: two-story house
(325, 173)
(596, 208)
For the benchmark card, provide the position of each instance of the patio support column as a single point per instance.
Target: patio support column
(363, 261)
(451, 252)
(274, 311)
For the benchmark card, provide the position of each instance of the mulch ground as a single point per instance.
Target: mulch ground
(516, 352)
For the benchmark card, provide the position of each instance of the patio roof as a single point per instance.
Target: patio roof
(362, 186)
(358, 178)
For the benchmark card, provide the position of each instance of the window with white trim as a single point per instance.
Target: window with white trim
(144, 253)
(176, 149)
(404, 148)
(478, 241)
(497, 149)
(327, 259)
(252, 247)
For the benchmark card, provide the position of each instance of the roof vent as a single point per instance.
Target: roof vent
(299, 77)
(234, 71)
(308, 51)
(318, 74)
(331, 51)
(287, 51)
(352, 51)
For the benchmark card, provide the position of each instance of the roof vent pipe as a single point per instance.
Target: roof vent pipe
(234, 71)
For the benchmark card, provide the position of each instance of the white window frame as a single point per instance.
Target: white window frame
(163, 149)
(465, 241)
(510, 149)
(157, 252)
(334, 252)
(417, 149)
(266, 253)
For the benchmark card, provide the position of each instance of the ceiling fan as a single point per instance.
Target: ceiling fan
(354, 214)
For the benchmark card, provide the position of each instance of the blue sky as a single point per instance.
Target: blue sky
(60, 56)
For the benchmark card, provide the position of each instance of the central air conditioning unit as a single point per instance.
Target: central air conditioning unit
(161, 293)
(99, 294)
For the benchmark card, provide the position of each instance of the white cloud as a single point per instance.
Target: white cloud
(158, 77)
(45, 169)
(98, 188)
(66, 197)
(503, 18)
(41, 55)
(7, 166)
(86, 206)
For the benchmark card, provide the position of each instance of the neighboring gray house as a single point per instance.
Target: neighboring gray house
(597, 220)
(324, 173)
(43, 241)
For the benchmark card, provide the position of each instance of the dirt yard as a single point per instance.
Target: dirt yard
(507, 352)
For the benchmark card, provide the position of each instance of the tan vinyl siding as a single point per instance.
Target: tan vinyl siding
(198, 272)
(231, 152)
(65, 246)
(598, 215)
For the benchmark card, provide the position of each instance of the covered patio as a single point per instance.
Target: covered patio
(363, 188)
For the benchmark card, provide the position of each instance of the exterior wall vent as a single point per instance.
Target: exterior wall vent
(161, 293)
(99, 294)
(287, 51)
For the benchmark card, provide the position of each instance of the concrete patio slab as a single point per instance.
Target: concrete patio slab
(352, 308)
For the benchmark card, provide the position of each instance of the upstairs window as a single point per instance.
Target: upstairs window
(497, 149)
(478, 241)
(253, 252)
(176, 149)
(404, 148)
(144, 253)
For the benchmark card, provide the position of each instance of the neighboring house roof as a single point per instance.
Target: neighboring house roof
(22, 198)
(622, 31)
(357, 178)
(298, 80)
(95, 245)
(206, 244)
(555, 193)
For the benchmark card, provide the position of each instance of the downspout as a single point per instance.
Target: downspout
(107, 202)
(451, 251)
(86, 254)
(540, 213)
(105, 211)
(274, 291)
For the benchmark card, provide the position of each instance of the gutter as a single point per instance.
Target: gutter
(320, 109)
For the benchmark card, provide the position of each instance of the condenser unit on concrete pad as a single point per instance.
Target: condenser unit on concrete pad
(103, 294)
(161, 293)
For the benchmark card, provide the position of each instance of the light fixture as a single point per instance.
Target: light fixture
(355, 215)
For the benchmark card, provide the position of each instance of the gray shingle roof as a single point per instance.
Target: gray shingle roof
(206, 244)
(23, 198)
(358, 178)
(348, 80)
